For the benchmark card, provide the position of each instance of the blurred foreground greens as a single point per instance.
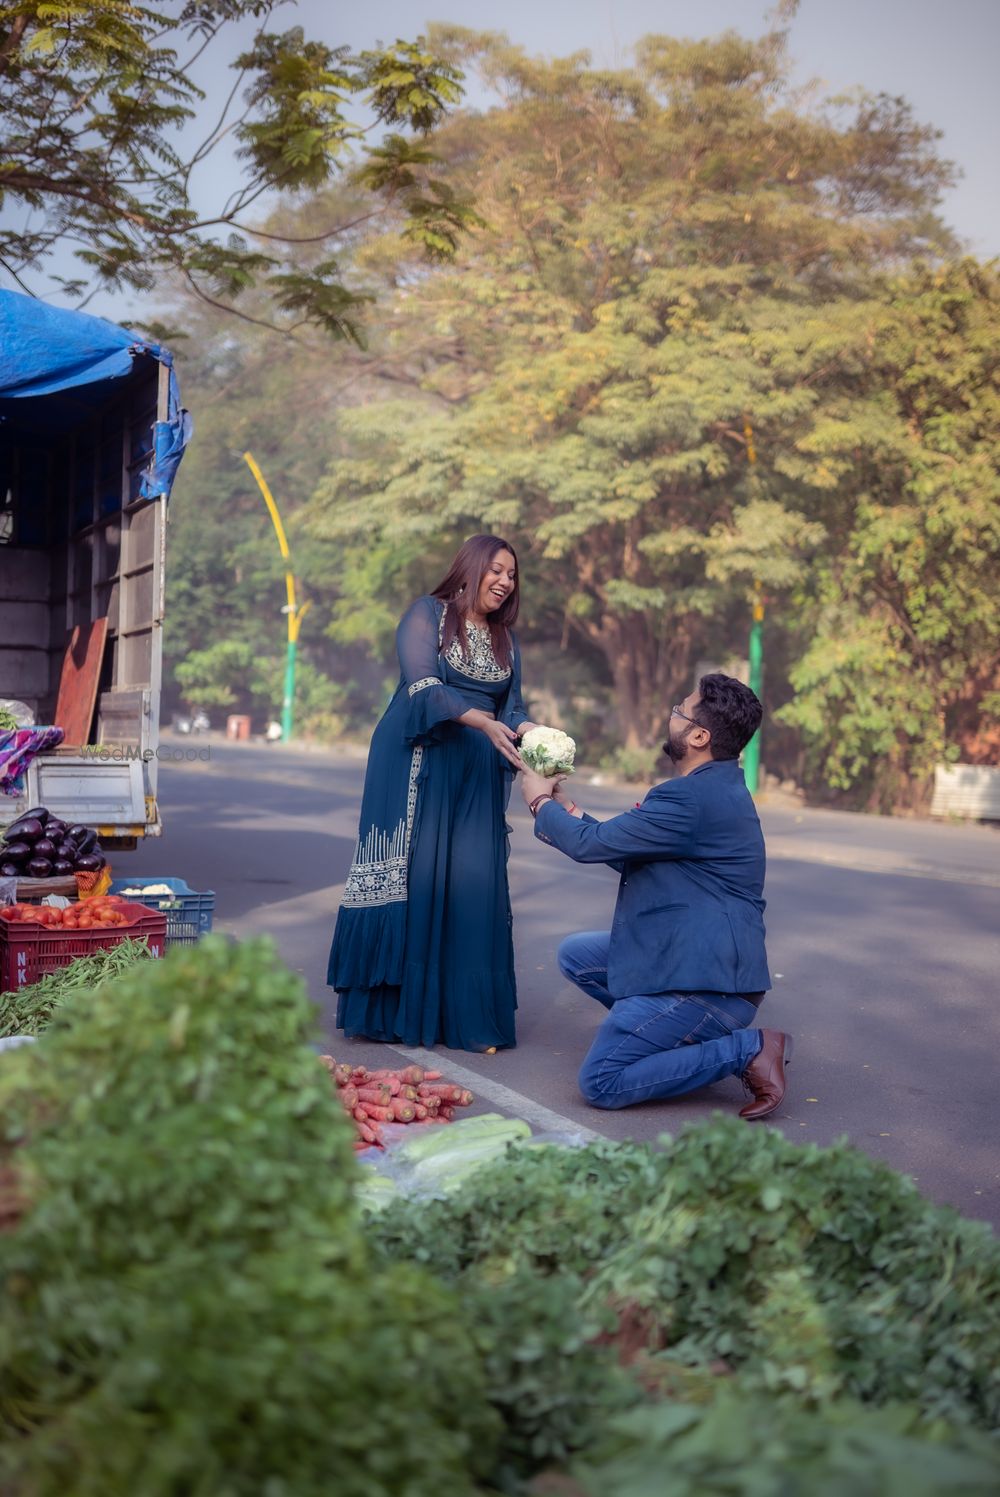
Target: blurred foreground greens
(195, 1303)
(189, 1302)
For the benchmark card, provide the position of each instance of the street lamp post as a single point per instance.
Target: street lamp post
(288, 694)
(751, 754)
(292, 610)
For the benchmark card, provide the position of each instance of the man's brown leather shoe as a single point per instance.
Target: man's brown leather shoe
(764, 1077)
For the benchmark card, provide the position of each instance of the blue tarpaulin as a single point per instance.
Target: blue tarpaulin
(45, 350)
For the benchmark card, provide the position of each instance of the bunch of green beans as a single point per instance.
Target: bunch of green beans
(31, 1010)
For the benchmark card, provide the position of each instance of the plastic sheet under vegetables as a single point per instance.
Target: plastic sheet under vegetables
(438, 1161)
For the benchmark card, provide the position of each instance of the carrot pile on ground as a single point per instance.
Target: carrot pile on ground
(411, 1095)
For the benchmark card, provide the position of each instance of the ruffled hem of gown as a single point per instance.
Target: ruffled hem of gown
(412, 1012)
(368, 947)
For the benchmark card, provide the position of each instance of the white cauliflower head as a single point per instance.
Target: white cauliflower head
(548, 751)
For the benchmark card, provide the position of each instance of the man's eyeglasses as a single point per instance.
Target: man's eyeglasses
(676, 712)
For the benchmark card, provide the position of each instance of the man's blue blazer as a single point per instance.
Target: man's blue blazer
(690, 911)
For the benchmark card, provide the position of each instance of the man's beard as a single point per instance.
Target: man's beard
(676, 748)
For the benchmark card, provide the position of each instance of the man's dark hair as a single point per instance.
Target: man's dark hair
(730, 711)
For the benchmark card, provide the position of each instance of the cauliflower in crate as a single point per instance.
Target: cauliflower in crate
(548, 751)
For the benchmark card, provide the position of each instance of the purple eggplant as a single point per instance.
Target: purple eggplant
(39, 813)
(62, 868)
(39, 868)
(16, 852)
(45, 848)
(9, 870)
(27, 829)
(67, 849)
(90, 863)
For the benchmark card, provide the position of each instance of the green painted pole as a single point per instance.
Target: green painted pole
(751, 754)
(289, 694)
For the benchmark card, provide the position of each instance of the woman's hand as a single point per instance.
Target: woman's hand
(501, 737)
(523, 728)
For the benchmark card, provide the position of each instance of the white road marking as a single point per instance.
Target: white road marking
(541, 1118)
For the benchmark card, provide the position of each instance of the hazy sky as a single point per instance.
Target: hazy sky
(943, 56)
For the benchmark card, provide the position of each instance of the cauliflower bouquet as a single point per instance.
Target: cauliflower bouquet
(548, 751)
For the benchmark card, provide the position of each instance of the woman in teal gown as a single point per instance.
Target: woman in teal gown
(422, 952)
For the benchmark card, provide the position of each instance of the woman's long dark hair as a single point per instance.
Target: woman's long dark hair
(459, 590)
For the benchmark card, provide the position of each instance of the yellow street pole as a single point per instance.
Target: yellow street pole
(294, 613)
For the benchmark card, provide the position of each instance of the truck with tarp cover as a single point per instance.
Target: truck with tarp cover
(91, 435)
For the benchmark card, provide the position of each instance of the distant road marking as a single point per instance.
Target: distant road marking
(542, 1118)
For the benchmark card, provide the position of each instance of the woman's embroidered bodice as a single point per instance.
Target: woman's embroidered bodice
(479, 664)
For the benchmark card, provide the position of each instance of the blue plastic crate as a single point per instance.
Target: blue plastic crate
(189, 914)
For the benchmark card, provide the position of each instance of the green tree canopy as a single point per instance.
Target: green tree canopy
(682, 273)
(903, 614)
(711, 339)
(95, 156)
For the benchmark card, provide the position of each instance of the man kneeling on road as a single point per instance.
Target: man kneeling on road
(683, 968)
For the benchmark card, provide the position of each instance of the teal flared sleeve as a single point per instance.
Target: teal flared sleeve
(515, 713)
(431, 702)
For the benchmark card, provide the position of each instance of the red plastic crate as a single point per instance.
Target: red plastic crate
(29, 951)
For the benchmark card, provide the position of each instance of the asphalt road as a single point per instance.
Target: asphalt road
(883, 938)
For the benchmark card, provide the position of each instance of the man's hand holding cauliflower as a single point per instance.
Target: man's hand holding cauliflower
(547, 755)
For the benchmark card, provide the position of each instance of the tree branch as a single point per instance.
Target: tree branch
(82, 191)
(220, 306)
(12, 272)
(312, 238)
(12, 41)
(214, 136)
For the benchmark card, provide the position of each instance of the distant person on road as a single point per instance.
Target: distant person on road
(683, 969)
(422, 952)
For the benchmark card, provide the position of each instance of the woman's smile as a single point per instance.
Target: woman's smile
(498, 583)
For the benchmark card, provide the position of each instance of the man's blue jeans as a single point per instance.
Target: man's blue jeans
(655, 1046)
